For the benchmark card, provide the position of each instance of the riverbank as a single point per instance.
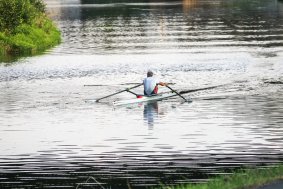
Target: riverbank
(29, 40)
(243, 179)
(25, 38)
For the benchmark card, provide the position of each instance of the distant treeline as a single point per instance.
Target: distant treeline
(25, 28)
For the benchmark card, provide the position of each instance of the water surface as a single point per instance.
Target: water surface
(52, 137)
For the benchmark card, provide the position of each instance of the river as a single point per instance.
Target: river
(51, 136)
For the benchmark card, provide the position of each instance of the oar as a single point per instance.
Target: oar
(100, 85)
(177, 93)
(199, 89)
(97, 100)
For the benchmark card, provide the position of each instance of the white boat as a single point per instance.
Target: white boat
(143, 98)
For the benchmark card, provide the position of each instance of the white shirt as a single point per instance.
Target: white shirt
(149, 84)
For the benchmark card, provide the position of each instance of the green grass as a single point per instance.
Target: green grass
(30, 39)
(243, 179)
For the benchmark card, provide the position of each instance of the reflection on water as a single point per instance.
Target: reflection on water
(149, 112)
(50, 137)
(186, 26)
(189, 4)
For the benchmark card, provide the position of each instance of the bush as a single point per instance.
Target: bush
(10, 14)
(17, 12)
(25, 29)
(39, 5)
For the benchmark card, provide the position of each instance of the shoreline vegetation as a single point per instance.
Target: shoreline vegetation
(25, 29)
(241, 179)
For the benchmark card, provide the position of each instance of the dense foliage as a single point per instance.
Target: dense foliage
(25, 28)
(17, 12)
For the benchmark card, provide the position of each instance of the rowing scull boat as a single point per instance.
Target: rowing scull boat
(143, 98)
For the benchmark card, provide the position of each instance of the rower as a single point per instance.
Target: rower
(151, 84)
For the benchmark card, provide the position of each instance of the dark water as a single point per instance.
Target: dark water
(50, 137)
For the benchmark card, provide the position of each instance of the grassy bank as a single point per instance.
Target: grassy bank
(29, 32)
(243, 179)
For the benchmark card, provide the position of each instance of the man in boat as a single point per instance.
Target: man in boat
(151, 84)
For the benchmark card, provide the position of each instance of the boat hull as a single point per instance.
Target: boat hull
(144, 99)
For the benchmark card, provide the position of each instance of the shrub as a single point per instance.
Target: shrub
(10, 14)
(17, 12)
(39, 5)
(25, 28)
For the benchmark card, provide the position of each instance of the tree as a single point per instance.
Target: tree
(16, 12)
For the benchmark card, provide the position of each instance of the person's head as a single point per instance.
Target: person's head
(149, 73)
